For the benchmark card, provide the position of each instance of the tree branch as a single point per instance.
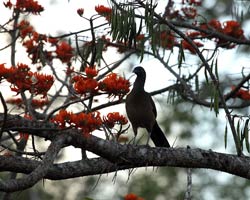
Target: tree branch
(115, 156)
(38, 173)
(137, 156)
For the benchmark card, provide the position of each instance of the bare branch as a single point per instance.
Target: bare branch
(38, 173)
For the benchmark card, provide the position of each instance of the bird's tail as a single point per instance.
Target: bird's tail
(159, 137)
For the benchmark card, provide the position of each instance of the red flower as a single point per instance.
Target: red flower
(8, 4)
(22, 79)
(114, 85)
(189, 12)
(167, 40)
(4, 72)
(80, 11)
(41, 83)
(242, 94)
(64, 52)
(15, 101)
(212, 24)
(102, 10)
(215, 24)
(91, 72)
(29, 6)
(114, 118)
(132, 196)
(83, 85)
(186, 45)
(62, 118)
(87, 122)
(25, 28)
(53, 41)
(36, 103)
(233, 29)
(140, 37)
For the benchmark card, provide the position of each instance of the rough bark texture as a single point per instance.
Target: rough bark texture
(113, 156)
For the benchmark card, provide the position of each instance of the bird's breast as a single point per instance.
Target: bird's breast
(140, 110)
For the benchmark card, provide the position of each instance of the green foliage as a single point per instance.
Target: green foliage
(123, 25)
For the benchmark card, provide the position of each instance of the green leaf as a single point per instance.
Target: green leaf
(114, 22)
(181, 56)
(206, 76)
(238, 128)
(216, 102)
(225, 137)
(99, 49)
(216, 69)
(87, 198)
(197, 83)
(142, 51)
(246, 135)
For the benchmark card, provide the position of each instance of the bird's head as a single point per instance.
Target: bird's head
(139, 71)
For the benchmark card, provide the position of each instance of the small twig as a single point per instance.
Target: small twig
(5, 112)
(39, 154)
(188, 193)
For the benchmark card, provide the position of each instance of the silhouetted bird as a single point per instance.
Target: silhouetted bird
(141, 110)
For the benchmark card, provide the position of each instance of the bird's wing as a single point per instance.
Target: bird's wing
(153, 106)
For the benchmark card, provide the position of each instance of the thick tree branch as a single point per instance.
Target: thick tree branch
(38, 173)
(127, 156)
(137, 156)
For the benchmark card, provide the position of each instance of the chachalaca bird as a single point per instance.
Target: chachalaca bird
(141, 110)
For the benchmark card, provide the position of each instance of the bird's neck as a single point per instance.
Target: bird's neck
(139, 83)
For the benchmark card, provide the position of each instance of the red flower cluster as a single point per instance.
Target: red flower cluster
(230, 28)
(189, 12)
(36, 103)
(87, 122)
(104, 11)
(83, 85)
(140, 37)
(114, 85)
(25, 29)
(64, 52)
(233, 29)
(186, 45)
(34, 43)
(166, 40)
(28, 6)
(114, 118)
(242, 94)
(22, 79)
(132, 196)
(91, 72)
(86, 84)
(42, 83)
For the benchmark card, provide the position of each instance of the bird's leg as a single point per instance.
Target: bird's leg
(149, 135)
(133, 140)
(135, 133)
